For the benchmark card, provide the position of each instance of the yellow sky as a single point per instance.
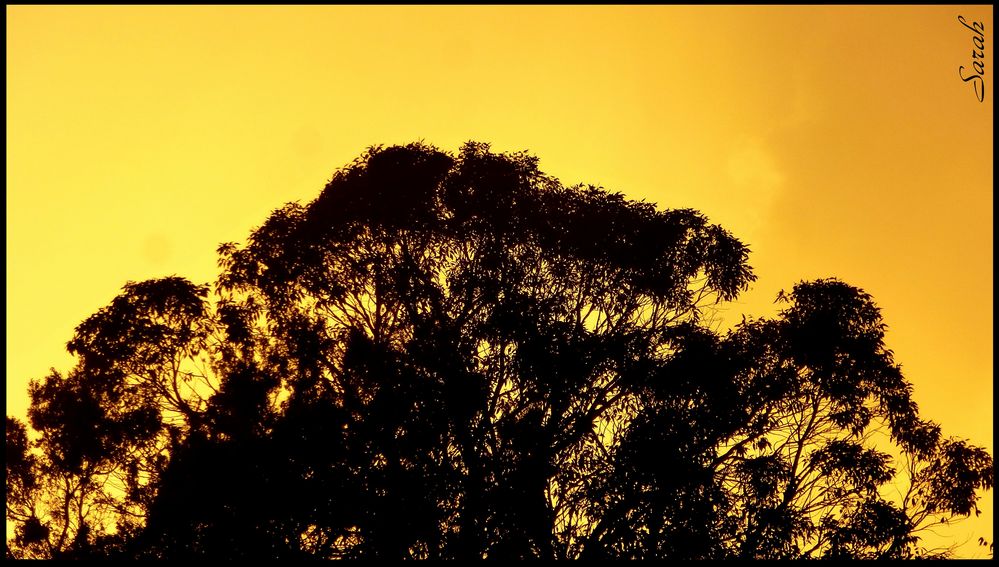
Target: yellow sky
(836, 141)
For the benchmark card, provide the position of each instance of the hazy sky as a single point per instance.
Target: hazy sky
(836, 141)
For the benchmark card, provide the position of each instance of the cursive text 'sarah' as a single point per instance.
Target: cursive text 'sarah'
(977, 58)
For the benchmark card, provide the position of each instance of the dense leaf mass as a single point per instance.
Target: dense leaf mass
(456, 356)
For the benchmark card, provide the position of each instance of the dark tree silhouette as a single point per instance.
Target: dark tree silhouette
(459, 357)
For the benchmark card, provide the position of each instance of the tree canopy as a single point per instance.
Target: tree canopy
(457, 356)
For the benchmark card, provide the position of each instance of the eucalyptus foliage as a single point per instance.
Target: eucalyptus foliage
(457, 356)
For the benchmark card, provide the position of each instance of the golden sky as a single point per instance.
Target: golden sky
(836, 141)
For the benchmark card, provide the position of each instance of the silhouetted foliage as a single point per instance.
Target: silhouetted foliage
(459, 357)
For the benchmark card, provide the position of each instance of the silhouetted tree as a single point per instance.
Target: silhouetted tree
(459, 357)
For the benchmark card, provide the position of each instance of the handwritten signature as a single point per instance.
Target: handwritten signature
(977, 58)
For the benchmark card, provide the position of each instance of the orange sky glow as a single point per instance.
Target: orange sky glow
(835, 141)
